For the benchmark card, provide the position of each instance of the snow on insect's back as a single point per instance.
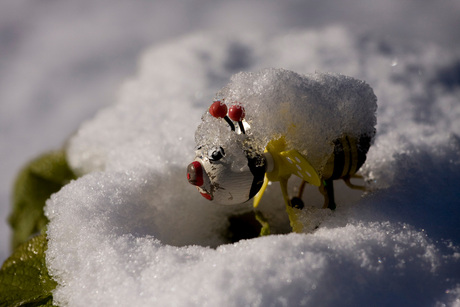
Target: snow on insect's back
(310, 111)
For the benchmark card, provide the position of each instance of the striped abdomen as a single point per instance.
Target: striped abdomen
(349, 155)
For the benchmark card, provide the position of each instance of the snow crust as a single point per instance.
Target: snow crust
(132, 231)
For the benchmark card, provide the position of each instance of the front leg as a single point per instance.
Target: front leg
(296, 225)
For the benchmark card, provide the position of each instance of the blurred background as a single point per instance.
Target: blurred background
(62, 61)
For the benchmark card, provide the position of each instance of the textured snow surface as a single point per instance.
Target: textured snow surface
(132, 231)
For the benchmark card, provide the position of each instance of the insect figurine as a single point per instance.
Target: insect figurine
(269, 125)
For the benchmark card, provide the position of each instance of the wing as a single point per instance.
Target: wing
(300, 167)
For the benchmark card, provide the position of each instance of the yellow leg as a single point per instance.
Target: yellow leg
(292, 214)
(265, 231)
(259, 195)
(296, 225)
(283, 185)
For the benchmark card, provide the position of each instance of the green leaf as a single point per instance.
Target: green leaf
(34, 185)
(24, 278)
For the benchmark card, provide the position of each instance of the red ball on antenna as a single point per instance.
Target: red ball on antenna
(236, 113)
(218, 109)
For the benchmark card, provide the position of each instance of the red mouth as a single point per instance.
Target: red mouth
(206, 195)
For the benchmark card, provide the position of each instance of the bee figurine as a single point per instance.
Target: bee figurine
(318, 127)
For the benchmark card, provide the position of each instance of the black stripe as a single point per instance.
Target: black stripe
(257, 166)
(350, 156)
(339, 160)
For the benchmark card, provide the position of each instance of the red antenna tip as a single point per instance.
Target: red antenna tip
(218, 109)
(236, 113)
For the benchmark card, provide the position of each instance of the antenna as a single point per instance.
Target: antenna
(218, 109)
(237, 114)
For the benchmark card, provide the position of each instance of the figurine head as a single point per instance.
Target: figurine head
(230, 173)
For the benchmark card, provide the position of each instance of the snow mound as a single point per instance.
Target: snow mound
(109, 260)
(132, 231)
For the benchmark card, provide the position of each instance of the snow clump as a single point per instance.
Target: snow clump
(311, 111)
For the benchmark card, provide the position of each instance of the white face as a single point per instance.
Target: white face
(224, 178)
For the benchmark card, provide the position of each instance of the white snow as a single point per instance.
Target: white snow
(133, 231)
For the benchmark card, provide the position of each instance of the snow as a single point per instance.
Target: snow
(134, 231)
(119, 236)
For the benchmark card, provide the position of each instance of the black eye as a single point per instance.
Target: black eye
(216, 154)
